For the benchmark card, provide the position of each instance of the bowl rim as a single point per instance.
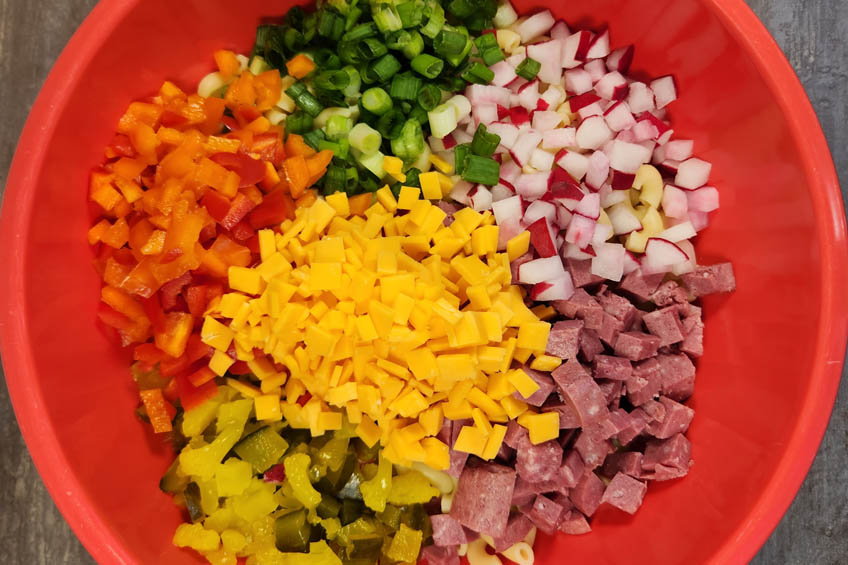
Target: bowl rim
(739, 20)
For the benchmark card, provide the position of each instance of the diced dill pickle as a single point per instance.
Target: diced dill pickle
(416, 518)
(351, 488)
(335, 480)
(333, 453)
(405, 545)
(262, 449)
(329, 507)
(293, 532)
(192, 500)
(173, 482)
(317, 472)
(365, 453)
(365, 546)
(390, 516)
(351, 511)
(296, 437)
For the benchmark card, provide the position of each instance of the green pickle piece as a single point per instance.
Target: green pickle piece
(173, 481)
(329, 507)
(297, 474)
(333, 454)
(262, 449)
(234, 413)
(202, 462)
(293, 531)
(351, 511)
(406, 545)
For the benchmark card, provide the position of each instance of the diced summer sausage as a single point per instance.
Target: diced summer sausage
(693, 329)
(636, 346)
(587, 495)
(675, 420)
(590, 344)
(641, 286)
(612, 368)
(678, 376)
(538, 462)
(577, 304)
(517, 529)
(710, 280)
(627, 462)
(612, 392)
(581, 392)
(457, 458)
(672, 453)
(593, 449)
(572, 469)
(618, 307)
(581, 272)
(546, 386)
(646, 382)
(435, 555)
(665, 324)
(669, 293)
(524, 493)
(609, 328)
(574, 524)
(638, 423)
(564, 339)
(483, 496)
(625, 493)
(516, 434)
(447, 531)
(569, 419)
(545, 513)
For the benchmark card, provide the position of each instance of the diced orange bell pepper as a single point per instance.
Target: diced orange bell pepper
(124, 303)
(296, 173)
(115, 272)
(317, 165)
(159, 411)
(228, 63)
(140, 234)
(241, 92)
(212, 174)
(300, 65)
(128, 168)
(268, 90)
(145, 141)
(154, 244)
(214, 110)
(139, 113)
(201, 376)
(170, 93)
(97, 230)
(102, 191)
(113, 318)
(117, 235)
(360, 203)
(296, 146)
(184, 233)
(174, 338)
(148, 353)
(307, 199)
(194, 352)
(231, 252)
(141, 281)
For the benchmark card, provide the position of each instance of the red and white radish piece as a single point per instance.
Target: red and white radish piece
(561, 288)
(692, 173)
(541, 270)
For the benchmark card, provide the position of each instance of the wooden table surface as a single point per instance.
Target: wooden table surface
(811, 32)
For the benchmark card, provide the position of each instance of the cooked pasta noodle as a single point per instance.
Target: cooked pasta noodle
(521, 553)
(477, 554)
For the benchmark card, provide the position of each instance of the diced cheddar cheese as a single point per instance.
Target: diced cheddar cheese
(518, 245)
(546, 363)
(542, 427)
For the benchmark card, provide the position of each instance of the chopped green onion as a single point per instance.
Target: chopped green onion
(334, 179)
(412, 177)
(410, 43)
(352, 17)
(410, 14)
(361, 31)
(478, 73)
(326, 59)
(351, 179)
(429, 96)
(385, 67)
(330, 24)
(410, 143)
(371, 48)
(374, 163)
(258, 65)
(331, 80)
(461, 8)
(376, 100)
(460, 152)
(435, 22)
(427, 65)
(418, 114)
(492, 56)
(389, 125)
(299, 122)
(481, 170)
(364, 138)
(490, 51)
(313, 138)
(344, 148)
(484, 143)
(528, 68)
(442, 120)
(352, 89)
(304, 99)
(386, 17)
(449, 43)
(329, 146)
(323, 118)
(405, 87)
(338, 126)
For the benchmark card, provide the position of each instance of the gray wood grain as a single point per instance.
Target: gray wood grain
(811, 32)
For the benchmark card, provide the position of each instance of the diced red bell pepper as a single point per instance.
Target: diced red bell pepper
(195, 297)
(276, 207)
(195, 350)
(269, 147)
(253, 244)
(239, 368)
(159, 411)
(122, 146)
(242, 231)
(148, 353)
(171, 119)
(153, 308)
(304, 398)
(201, 376)
(246, 114)
(230, 123)
(249, 170)
(216, 204)
(239, 208)
(192, 396)
(113, 318)
(171, 290)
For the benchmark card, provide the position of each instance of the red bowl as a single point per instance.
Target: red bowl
(774, 349)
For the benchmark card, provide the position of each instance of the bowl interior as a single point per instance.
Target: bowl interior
(763, 343)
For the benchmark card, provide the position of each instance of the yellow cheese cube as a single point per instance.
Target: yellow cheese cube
(261, 367)
(437, 454)
(431, 420)
(513, 407)
(490, 359)
(494, 442)
(320, 213)
(330, 250)
(522, 355)
(244, 389)
(441, 164)
(354, 414)
(408, 196)
(471, 440)
(522, 382)
(499, 386)
(231, 303)
(273, 383)
(386, 263)
(544, 311)
(330, 420)
(431, 188)
(319, 341)
(518, 245)
(267, 407)
(492, 409)
(534, 336)
(245, 280)
(325, 276)
(484, 240)
(394, 167)
(368, 432)
(542, 427)
(456, 367)
(546, 363)
(220, 362)
(479, 298)
(339, 202)
(365, 328)
(403, 307)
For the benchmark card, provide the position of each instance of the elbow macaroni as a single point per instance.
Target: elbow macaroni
(521, 553)
(477, 554)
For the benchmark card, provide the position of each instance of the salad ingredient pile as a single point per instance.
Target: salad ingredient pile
(412, 281)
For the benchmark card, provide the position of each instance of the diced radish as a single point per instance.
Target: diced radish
(535, 26)
(640, 98)
(668, 168)
(460, 136)
(542, 238)
(665, 91)
(661, 255)
(590, 206)
(553, 96)
(545, 121)
(528, 96)
(679, 149)
(610, 197)
(508, 210)
(599, 168)
(608, 261)
(620, 59)
(600, 47)
(507, 132)
(504, 73)
(485, 113)
(561, 288)
(591, 110)
(567, 193)
(563, 217)
(480, 198)
(612, 86)
(571, 251)
(559, 138)
(580, 101)
(580, 231)
(540, 270)
(677, 233)
(549, 55)
(524, 145)
(539, 209)
(622, 181)
(578, 81)
(541, 160)
(623, 219)
(448, 156)
(532, 185)
(560, 30)
(644, 130)
(575, 48)
(519, 115)
(602, 233)
(593, 133)
(659, 155)
(689, 265)
(674, 202)
(482, 93)
(500, 192)
(438, 145)
(460, 191)
(630, 263)
(704, 199)
(699, 220)
(575, 163)
(693, 173)
(596, 69)
(628, 157)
